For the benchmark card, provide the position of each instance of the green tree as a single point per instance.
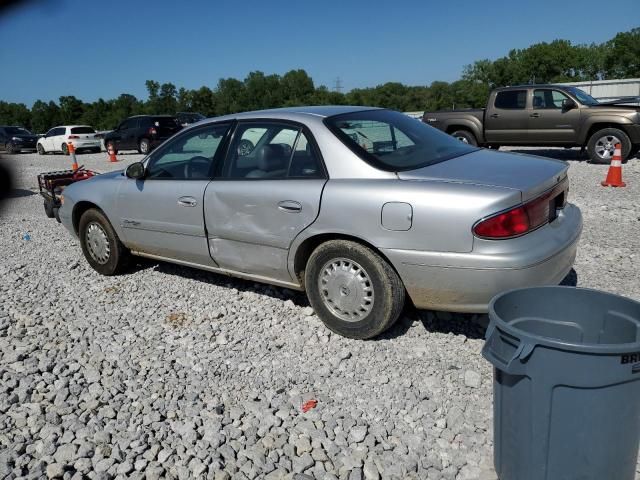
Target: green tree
(623, 55)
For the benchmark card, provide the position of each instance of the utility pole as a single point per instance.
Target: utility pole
(338, 85)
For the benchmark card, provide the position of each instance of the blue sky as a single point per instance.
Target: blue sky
(101, 49)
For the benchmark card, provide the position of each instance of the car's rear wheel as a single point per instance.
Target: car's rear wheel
(100, 244)
(634, 151)
(40, 149)
(65, 149)
(465, 136)
(602, 144)
(353, 290)
(144, 146)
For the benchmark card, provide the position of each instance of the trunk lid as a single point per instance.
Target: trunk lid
(526, 173)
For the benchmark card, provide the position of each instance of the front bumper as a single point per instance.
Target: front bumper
(466, 282)
(65, 215)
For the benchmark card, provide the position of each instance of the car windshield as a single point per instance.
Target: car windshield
(393, 141)
(82, 130)
(17, 131)
(583, 97)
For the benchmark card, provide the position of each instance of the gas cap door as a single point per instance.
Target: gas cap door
(397, 216)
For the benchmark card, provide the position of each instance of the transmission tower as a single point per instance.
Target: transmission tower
(338, 85)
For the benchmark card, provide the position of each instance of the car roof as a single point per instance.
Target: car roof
(534, 85)
(72, 126)
(293, 113)
(150, 116)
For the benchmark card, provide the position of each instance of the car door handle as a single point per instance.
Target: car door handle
(534, 115)
(187, 202)
(289, 206)
(494, 115)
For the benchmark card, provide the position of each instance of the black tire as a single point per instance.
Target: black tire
(634, 151)
(65, 149)
(117, 257)
(387, 290)
(493, 147)
(40, 149)
(48, 209)
(144, 146)
(9, 148)
(56, 214)
(465, 136)
(594, 145)
(112, 145)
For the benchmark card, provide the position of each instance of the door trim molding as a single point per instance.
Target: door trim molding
(223, 271)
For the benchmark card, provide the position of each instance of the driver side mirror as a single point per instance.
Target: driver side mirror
(568, 104)
(135, 171)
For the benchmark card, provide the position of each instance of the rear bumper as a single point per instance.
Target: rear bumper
(466, 282)
(86, 144)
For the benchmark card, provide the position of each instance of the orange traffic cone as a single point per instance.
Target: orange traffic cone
(614, 176)
(112, 153)
(72, 151)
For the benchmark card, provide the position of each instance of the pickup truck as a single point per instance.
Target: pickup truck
(546, 115)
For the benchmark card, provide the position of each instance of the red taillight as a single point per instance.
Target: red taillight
(508, 224)
(517, 221)
(152, 131)
(71, 137)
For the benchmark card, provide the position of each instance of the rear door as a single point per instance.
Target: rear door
(58, 138)
(264, 197)
(549, 122)
(162, 214)
(506, 121)
(128, 140)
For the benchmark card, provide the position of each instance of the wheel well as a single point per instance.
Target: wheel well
(78, 210)
(599, 126)
(453, 128)
(307, 247)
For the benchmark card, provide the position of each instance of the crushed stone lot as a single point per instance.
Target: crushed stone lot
(170, 372)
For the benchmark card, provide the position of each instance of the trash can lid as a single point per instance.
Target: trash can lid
(568, 318)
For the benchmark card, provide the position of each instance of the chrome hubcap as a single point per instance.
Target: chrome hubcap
(98, 243)
(346, 289)
(605, 146)
(463, 140)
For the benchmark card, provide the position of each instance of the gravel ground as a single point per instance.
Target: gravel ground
(171, 372)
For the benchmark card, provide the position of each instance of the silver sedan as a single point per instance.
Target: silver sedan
(359, 207)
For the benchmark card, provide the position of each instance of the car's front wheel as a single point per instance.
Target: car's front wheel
(100, 244)
(9, 148)
(353, 290)
(601, 145)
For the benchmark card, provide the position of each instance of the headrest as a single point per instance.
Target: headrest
(272, 157)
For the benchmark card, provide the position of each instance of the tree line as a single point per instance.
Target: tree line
(557, 61)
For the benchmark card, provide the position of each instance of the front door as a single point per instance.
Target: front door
(268, 192)
(162, 214)
(549, 122)
(506, 122)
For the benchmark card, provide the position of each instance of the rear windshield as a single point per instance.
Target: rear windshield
(17, 131)
(82, 130)
(166, 122)
(393, 141)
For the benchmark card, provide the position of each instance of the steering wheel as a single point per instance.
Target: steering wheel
(197, 167)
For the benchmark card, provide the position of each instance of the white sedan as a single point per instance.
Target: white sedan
(83, 137)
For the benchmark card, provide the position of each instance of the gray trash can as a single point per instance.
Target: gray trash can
(566, 389)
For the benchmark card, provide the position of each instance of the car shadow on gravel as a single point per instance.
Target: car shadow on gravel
(20, 192)
(298, 298)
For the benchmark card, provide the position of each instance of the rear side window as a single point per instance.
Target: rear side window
(511, 99)
(168, 122)
(82, 130)
(130, 123)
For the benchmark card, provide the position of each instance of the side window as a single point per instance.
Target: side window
(511, 99)
(271, 151)
(59, 131)
(190, 156)
(130, 123)
(548, 99)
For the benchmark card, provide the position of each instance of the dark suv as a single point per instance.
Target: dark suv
(16, 139)
(142, 133)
